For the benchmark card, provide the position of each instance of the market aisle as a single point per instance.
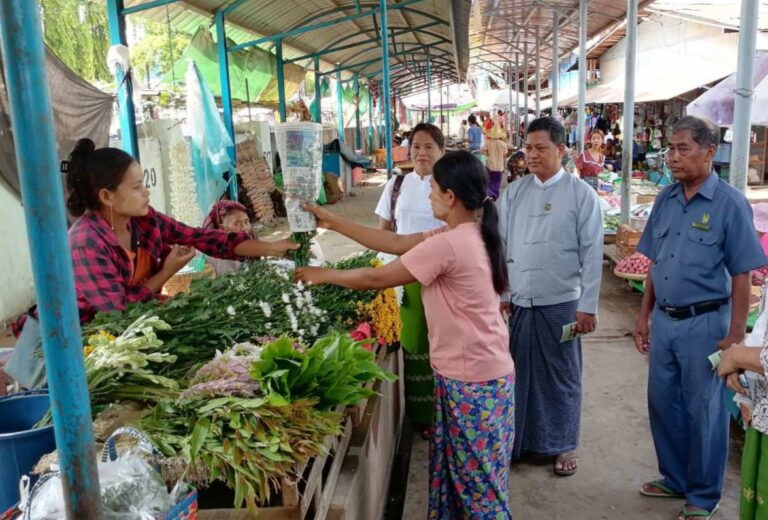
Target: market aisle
(616, 454)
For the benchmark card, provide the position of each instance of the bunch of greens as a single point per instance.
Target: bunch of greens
(302, 255)
(340, 303)
(259, 300)
(124, 367)
(333, 371)
(244, 441)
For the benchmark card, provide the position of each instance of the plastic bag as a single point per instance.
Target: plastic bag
(130, 490)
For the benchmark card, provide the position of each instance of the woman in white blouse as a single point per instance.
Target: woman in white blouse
(404, 207)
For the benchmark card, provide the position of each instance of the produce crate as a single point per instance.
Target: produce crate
(609, 239)
(309, 498)
(627, 236)
(361, 490)
(623, 251)
(646, 199)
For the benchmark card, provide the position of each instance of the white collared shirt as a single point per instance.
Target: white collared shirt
(552, 180)
(413, 210)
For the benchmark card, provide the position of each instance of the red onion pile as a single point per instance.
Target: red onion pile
(634, 264)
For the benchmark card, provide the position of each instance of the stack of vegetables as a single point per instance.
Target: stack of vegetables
(249, 414)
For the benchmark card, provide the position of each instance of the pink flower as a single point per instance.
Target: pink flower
(362, 332)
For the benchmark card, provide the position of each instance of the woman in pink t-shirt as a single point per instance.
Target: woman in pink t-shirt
(462, 269)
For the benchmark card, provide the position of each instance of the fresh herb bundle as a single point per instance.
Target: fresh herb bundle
(302, 255)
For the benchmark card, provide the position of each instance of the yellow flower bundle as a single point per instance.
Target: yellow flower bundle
(383, 312)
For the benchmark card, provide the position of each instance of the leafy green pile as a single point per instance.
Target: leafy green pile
(333, 371)
(245, 442)
(259, 300)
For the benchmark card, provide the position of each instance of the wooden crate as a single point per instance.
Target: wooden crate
(361, 491)
(627, 236)
(609, 239)
(646, 199)
(623, 251)
(355, 413)
(306, 499)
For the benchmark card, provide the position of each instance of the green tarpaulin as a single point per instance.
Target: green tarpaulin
(255, 64)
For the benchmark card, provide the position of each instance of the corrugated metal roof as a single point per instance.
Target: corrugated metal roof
(501, 30)
(435, 27)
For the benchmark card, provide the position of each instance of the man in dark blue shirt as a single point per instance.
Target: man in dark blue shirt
(703, 245)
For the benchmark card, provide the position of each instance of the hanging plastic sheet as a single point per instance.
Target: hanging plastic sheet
(209, 140)
(79, 110)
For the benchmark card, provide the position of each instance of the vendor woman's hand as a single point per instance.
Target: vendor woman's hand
(281, 247)
(177, 258)
(325, 218)
(311, 275)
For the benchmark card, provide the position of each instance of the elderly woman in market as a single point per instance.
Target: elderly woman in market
(232, 217)
(404, 208)
(496, 150)
(123, 251)
(462, 269)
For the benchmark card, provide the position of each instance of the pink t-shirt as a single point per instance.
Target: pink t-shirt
(764, 243)
(468, 339)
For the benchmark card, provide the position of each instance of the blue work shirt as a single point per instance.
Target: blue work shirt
(697, 245)
(475, 136)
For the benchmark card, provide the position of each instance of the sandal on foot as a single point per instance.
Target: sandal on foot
(698, 515)
(560, 472)
(665, 491)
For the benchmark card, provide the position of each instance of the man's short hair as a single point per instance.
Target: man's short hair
(550, 125)
(703, 130)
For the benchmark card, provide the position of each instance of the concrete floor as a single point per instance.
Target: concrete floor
(616, 453)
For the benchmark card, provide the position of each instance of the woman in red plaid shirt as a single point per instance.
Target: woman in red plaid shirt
(124, 251)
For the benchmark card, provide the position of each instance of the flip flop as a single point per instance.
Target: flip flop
(706, 515)
(666, 491)
(565, 472)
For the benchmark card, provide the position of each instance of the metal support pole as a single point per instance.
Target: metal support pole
(629, 109)
(525, 84)
(554, 76)
(538, 73)
(381, 120)
(448, 102)
(518, 141)
(743, 95)
(370, 119)
(318, 94)
(21, 41)
(226, 97)
(429, 87)
(280, 80)
(129, 140)
(248, 98)
(581, 123)
(358, 130)
(441, 103)
(339, 105)
(385, 80)
(509, 110)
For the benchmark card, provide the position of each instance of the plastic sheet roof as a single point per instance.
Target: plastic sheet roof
(439, 27)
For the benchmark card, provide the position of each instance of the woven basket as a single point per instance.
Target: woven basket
(180, 283)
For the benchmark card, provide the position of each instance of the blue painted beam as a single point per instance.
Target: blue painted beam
(145, 6)
(318, 93)
(321, 25)
(370, 119)
(226, 96)
(335, 47)
(21, 41)
(128, 138)
(356, 87)
(363, 64)
(385, 90)
(339, 105)
(280, 80)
